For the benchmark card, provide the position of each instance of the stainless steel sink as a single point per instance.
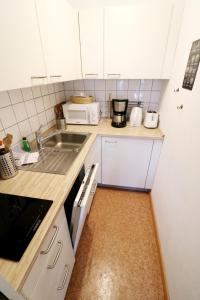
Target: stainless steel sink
(64, 140)
(58, 153)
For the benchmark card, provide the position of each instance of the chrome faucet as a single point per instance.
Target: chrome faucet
(39, 138)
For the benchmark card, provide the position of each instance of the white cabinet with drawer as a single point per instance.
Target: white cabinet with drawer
(129, 162)
(52, 269)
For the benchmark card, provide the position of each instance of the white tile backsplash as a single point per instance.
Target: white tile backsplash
(36, 91)
(79, 85)
(27, 94)
(145, 90)
(14, 130)
(50, 88)
(100, 85)
(146, 84)
(44, 90)
(4, 99)
(24, 128)
(89, 84)
(15, 96)
(122, 85)
(133, 95)
(47, 103)
(34, 122)
(100, 96)
(69, 85)
(39, 104)
(7, 117)
(111, 84)
(134, 84)
(157, 85)
(122, 94)
(30, 108)
(22, 111)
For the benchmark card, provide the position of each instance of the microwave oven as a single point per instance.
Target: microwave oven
(82, 113)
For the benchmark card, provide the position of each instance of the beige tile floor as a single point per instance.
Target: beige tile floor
(117, 257)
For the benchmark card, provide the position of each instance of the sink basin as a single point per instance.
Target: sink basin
(58, 153)
(65, 140)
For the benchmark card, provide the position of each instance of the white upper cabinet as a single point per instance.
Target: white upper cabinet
(91, 41)
(135, 40)
(20, 51)
(59, 34)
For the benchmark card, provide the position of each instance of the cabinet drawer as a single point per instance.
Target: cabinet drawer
(46, 251)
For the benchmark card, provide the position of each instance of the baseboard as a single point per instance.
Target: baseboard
(166, 293)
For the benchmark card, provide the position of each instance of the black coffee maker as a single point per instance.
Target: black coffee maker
(119, 107)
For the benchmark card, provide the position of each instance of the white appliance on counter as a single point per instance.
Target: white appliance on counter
(79, 201)
(151, 119)
(136, 116)
(82, 113)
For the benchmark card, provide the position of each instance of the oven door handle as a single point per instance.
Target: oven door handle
(82, 204)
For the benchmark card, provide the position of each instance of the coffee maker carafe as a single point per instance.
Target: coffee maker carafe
(119, 107)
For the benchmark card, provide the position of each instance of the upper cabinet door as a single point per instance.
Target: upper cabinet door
(135, 40)
(20, 52)
(58, 23)
(91, 42)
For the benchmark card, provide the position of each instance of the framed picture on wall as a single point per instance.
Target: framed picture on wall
(192, 66)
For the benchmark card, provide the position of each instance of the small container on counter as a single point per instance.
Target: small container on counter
(8, 168)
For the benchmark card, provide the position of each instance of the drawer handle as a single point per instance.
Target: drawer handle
(57, 256)
(38, 77)
(55, 76)
(64, 279)
(52, 240)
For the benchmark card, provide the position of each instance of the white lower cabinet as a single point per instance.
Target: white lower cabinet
(50, 274)
(126, 162)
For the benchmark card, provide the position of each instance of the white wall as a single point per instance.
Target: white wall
(176, 192)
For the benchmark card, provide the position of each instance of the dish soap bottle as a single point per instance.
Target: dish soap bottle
(25, 145)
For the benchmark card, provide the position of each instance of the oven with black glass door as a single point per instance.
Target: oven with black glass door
(79, 201)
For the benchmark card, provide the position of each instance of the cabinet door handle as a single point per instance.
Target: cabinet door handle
(57, 256)
(52, 240)
(64, 279)
(55, 76)
(114, 75)
(110, 142)
(38, 77)
(91, 75)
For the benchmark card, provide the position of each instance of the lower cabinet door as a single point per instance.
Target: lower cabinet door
(54, 279)
(125, 161)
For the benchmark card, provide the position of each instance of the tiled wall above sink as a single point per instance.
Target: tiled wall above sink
(146, 91)
(22, 111)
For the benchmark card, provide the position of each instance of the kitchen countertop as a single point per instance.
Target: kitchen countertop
(55, 187)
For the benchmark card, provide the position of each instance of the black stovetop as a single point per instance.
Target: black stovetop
(20, 218)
